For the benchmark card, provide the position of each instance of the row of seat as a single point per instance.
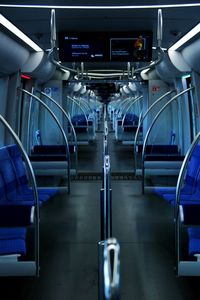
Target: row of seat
(17, 203)
(189, 203)
(190, 192)
(124, 116)
(85, 115)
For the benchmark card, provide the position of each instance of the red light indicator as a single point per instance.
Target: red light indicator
(25, 77)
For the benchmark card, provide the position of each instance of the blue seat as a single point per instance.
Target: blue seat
(193, 198)
(12, 241)
(191, 180)
(79, 122)
(14, 213)
(130, 122)
(14, 190)
(21, 177)
(131, 119)
(194, 240)
(15, 179)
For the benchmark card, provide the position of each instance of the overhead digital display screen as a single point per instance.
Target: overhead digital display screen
(81, 47)
(130, 49)
(104, 46)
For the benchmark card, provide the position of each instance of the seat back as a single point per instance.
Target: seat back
(18, 165)
(192, 177)
(7, 171)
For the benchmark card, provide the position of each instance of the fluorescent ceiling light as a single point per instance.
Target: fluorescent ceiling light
(101, 6)
(145, 71)
(186, 76)
(7, 24)
(186, 38)
(164, 49)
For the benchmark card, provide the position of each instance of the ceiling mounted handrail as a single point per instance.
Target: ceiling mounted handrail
(159, 28)
(159, 49)
(61, 66)
(53, 29)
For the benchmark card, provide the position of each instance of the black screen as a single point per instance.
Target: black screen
(98, 47)
(81, 47)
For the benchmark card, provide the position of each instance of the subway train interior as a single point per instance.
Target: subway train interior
(100, 150)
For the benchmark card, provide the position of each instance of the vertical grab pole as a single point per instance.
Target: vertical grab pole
(105, 202)
(107, 198)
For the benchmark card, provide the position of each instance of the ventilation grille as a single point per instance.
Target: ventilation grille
(98, 176)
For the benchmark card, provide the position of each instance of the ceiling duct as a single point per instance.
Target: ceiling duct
(166, 70)
(39, 67)
(12, 55)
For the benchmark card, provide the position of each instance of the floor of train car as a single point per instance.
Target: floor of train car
(69, 235)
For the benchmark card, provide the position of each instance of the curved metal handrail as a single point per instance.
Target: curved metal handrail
(83, 101)
(34, 186)
(60, 127)
(148, 110)
(68, 119)
(119, 112)
(178, 192)
(86, 119)
(63, 111)
(124, 105)
(79, 105)
(137, 99)
(142, 120)
(121, 105)
(152, 124)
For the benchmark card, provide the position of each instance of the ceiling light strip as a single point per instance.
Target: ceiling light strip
(7, 24)
(93, 7)
(188, 36)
